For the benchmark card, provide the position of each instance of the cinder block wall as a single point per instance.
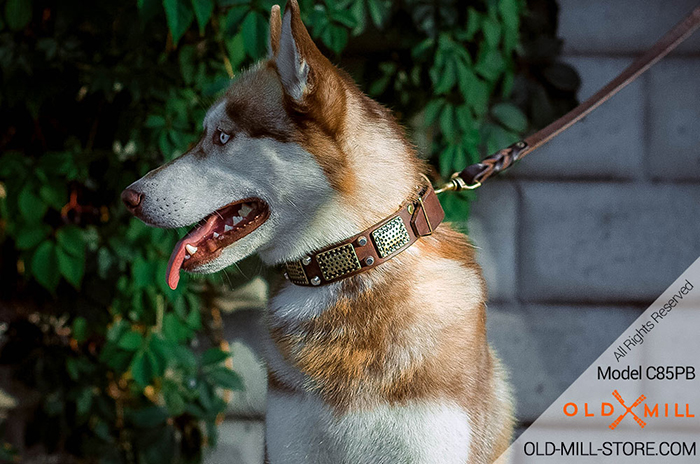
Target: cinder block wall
(586, 232)
(579, 238)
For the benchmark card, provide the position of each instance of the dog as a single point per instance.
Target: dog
(391, 365)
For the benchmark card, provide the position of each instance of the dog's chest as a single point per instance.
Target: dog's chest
(292, 307)
(302, 427)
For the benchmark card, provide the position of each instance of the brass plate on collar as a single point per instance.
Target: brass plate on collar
(296, 273)
(338, 261)
(390, 237)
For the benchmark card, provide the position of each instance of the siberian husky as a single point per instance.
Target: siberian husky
(391, 365)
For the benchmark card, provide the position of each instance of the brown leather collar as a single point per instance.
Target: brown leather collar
(417, 217)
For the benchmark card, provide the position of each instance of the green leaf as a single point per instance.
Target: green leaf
(71, 267)
(54, 195)
(254, 31)
(71, 240)
(18, 13)
(445, 161)
(80, 329)
(490, 64)
(510, 116)
(335, 37)
(173, 399)
(499, 138)
(357, 9)
(447, 77)
(214, 356)
(143, 273)
(492, 32)
(233, 19)
(84, 402)
(117, 330)
(194, 319)
(203, 10)
(45, 266)
(447, 122)
(154, 121)
(234, 3)
(456, 208)
(379, 86)
(378, 11)
(131, 341)
(188, 68)
(236, 53)
(174, 330)
(464, 118)
(73, 368)
(433, 110)
(179, 16)
(510, 12)
(423, 49)
(141, 369)
(346, 18)
(204, 396)
(30, 205)
(30, 236)
(184, 356)
(105, 260)
(474, 21)
(475, 93)
(226, 378)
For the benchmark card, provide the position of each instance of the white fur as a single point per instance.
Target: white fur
(300, 428)
(298, 304)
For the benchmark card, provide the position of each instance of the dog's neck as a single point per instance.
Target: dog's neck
(384, 170)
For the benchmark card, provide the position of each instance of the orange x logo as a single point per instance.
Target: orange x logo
(628, 409)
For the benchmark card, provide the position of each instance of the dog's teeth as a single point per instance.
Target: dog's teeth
(236, 220)
(245, 210)
(216, 235)
(227, 228)
(191, 249)
(187, 256)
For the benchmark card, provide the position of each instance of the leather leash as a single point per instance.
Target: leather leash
(473, 176)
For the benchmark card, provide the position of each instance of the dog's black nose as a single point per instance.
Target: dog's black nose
(132, 199)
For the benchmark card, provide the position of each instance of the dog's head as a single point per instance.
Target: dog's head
(294, 157)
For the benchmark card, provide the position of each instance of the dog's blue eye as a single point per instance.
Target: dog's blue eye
(221, 137)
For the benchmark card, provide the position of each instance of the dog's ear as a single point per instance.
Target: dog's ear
(298, 55)
(273, 45)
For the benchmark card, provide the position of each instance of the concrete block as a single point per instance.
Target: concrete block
(243, 329)
(492, 228)
(608, 144)
(240, 442)
(600, 242)
(547, 347)
(674, 123)
(622, 26)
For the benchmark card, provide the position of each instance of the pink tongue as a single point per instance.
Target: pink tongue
(172, 276)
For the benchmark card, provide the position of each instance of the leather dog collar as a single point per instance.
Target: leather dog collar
(417, 217)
